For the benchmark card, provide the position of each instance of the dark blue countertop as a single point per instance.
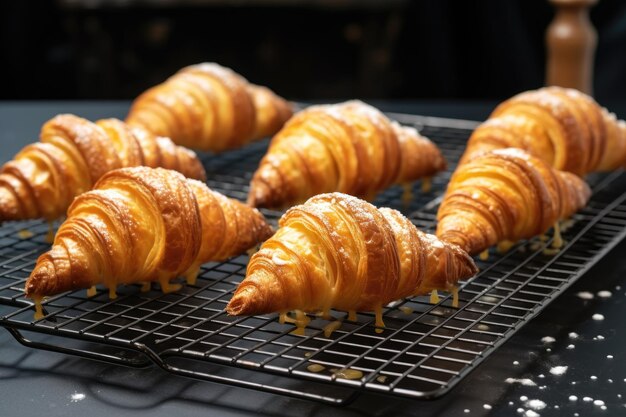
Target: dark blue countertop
(36, 382)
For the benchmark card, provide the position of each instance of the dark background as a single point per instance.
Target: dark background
(303, 49)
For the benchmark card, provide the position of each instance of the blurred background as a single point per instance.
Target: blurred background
(303, 49)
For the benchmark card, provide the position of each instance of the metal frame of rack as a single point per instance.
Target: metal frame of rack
(424, 350)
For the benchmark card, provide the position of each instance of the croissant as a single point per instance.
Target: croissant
(564, 127)
(337, 251)
(209, 107)
(140, 225)
(350, 147)
(44, 177)
(506, 195)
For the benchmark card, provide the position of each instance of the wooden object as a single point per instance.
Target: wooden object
(571, 42)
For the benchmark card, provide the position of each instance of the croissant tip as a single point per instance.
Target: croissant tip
(240, 303)
(39, 279)
(469, 266)
(234, 307)
(9, 206)
(195, 169)
(251, 201)
(259, 195)
(267, 231)
(472, 268)
(246, 301)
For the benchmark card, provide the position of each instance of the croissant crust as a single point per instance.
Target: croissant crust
(564, 127)
(209, 107)
(349, 147)
(44, 177)
(337, 251)
(506, 195)
(142, 224)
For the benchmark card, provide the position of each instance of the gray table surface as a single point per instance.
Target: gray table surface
(35, 383)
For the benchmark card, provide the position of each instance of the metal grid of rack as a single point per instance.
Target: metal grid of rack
(424, 350)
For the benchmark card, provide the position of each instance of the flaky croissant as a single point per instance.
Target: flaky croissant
(564, 127)
(72, 155)
(209, 107)
(140, 225)
(506, 195)
(337, 251)
(350, 147)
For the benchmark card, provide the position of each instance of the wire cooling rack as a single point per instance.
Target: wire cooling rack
(424, 350)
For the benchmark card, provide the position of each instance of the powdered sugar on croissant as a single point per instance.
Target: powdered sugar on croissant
(337, 251)
(142, 225)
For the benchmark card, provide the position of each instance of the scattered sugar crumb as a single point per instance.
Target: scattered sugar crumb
(597, 317)
(585, 295)
(77, 396)
(522, 381)
(536, 404)
(573, 398)
(548, 339)
(573, 335)
(558, 370)
(604, 294)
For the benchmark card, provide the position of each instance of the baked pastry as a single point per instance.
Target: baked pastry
(141, 225)
(506, 195)
(209, 107)
(337, 251)
(349, 147)
(564, 127)
(73, 153)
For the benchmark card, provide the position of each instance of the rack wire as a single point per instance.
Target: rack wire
(424, 350)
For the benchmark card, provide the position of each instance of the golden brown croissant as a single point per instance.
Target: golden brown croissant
(350, 147)
(564, 127)
(140, 225)
(337, 251)
(209, 107)
(506, 195)
(44, 177)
